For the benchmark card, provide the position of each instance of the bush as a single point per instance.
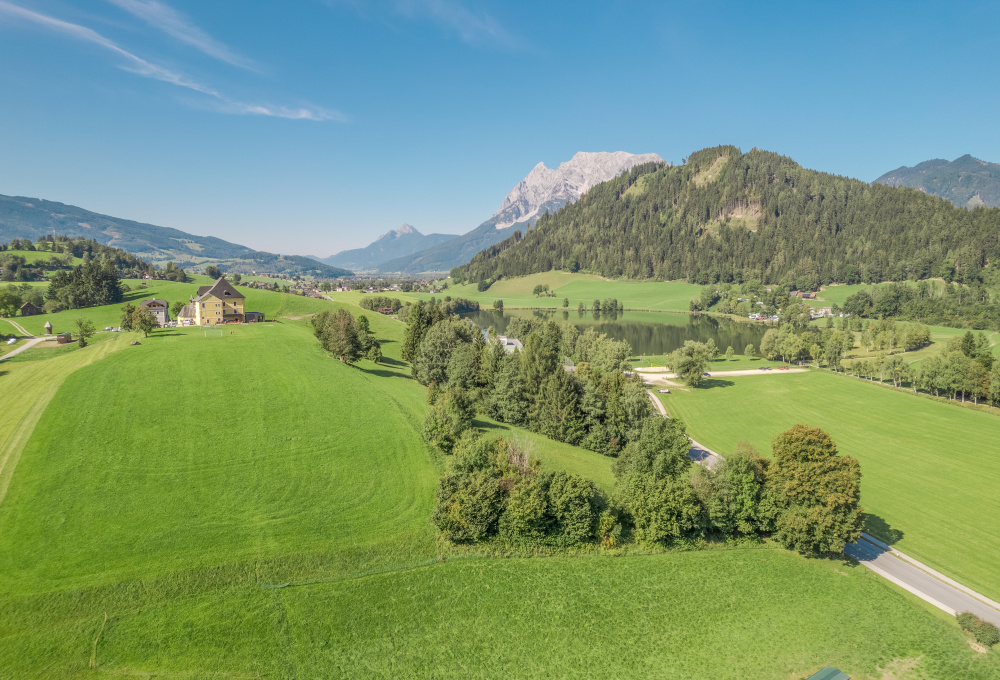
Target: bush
(468, 506)
(984, 632)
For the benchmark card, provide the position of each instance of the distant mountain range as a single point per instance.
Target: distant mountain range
(727, 216)
(400, 242)
(22, 217)
(966, 181)
(542, 190)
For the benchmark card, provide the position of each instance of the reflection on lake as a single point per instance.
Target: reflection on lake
(649, 333)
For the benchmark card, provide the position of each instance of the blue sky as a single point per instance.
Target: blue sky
(312, 126)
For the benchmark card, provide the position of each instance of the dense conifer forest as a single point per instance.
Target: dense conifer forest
(728, 216)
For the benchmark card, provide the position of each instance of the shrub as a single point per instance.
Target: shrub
(468, 506)
(984, 632)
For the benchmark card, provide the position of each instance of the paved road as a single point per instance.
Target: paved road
(32, 340)
(28, 345)
(920, 580)
(698, 453)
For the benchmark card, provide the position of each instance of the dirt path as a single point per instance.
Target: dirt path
(650, 374)
(19, 328)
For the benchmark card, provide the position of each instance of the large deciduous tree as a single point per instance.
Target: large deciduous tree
(818, 492)
(690, 361)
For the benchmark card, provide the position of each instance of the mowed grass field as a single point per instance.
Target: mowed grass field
(177, 485)
(668, 296)
(930, 469)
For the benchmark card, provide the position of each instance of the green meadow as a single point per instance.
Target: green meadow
(33, 256)
(660, 296)
(246, 506)
(930, 469)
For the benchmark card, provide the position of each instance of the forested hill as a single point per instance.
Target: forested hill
(729, 216)
(32, 218)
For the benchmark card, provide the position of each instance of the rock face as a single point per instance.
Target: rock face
(542, 190)
(965, 181)
(397, 243)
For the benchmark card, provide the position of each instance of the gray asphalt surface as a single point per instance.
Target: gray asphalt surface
(923, 583)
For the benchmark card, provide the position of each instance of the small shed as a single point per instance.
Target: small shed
(64, 338)
(48, 328)
(29, 309)
(829, 673)
(254, 317)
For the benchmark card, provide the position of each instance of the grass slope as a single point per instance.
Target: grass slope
(930, 469)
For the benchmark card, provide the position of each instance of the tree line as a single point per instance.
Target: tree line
(726, 216)
(493, 490)
(807, 496)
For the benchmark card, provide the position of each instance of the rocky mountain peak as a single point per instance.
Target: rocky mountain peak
(546, 189)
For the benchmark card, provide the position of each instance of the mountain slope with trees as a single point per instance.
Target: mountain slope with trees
(731, 216)
(32, 218)
(966, 181)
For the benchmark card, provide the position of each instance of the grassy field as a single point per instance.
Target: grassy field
(33, 256)
(930, 469)
(670, 296)
(170, 485)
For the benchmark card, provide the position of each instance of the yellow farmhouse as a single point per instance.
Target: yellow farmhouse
(216, 304)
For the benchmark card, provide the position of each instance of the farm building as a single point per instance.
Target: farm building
(28, 309)
(158, 308)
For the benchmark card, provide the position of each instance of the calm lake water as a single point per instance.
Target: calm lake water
(649, 333)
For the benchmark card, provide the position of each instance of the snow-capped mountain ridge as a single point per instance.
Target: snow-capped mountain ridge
(546, 189)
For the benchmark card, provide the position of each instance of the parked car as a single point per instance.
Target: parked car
(107, 328)
(707, 375)
(12, 341)
(663, 390)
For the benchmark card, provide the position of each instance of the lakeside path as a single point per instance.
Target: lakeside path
(648, 375)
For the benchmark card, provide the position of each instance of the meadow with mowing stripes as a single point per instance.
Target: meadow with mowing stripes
(930, 469)
(244, 505)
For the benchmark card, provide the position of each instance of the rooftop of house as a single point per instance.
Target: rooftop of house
(145, 304)
(221, 289)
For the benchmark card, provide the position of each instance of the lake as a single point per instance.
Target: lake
(649, 333)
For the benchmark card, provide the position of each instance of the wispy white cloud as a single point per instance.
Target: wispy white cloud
(139, 66)
(478, 29)
(471, 27)
(165, 18)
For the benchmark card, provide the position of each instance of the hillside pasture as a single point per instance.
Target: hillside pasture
(930, 469)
